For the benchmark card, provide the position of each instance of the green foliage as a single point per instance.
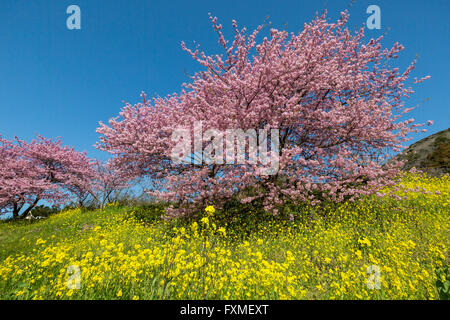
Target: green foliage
(148, 213)
(44, 211)
(443, 282)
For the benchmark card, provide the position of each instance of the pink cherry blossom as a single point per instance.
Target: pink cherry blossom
(42, 169)
(334, 96)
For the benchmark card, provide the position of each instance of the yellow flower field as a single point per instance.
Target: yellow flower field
(377, 248)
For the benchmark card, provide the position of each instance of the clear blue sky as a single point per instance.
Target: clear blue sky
(60, 82)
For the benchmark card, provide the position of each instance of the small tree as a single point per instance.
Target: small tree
(334, 97)
(109, 183)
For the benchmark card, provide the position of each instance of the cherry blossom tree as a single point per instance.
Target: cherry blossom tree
(42, 169)
(20, 183)
(335, 97)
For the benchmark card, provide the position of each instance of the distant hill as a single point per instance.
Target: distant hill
(431, 154)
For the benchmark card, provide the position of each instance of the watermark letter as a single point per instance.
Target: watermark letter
(74, 280)
(74, 20)
(374, 20)
(374, 279)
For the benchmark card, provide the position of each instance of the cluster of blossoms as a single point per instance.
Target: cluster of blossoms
(334, 98)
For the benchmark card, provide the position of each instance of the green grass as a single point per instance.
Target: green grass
(19, 237)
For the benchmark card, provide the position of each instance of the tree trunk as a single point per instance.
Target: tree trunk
(16, 210)
(26, 212)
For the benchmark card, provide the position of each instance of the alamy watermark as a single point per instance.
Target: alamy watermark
(374, 20)
(374, 279)
(74, 20)
(74, 279)
(241, 147)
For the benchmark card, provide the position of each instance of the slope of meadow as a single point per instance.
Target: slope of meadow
(377, 248)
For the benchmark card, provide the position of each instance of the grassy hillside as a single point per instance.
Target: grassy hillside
(377, 248)
(430, 154)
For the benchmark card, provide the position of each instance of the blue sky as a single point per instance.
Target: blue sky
(60, 82)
